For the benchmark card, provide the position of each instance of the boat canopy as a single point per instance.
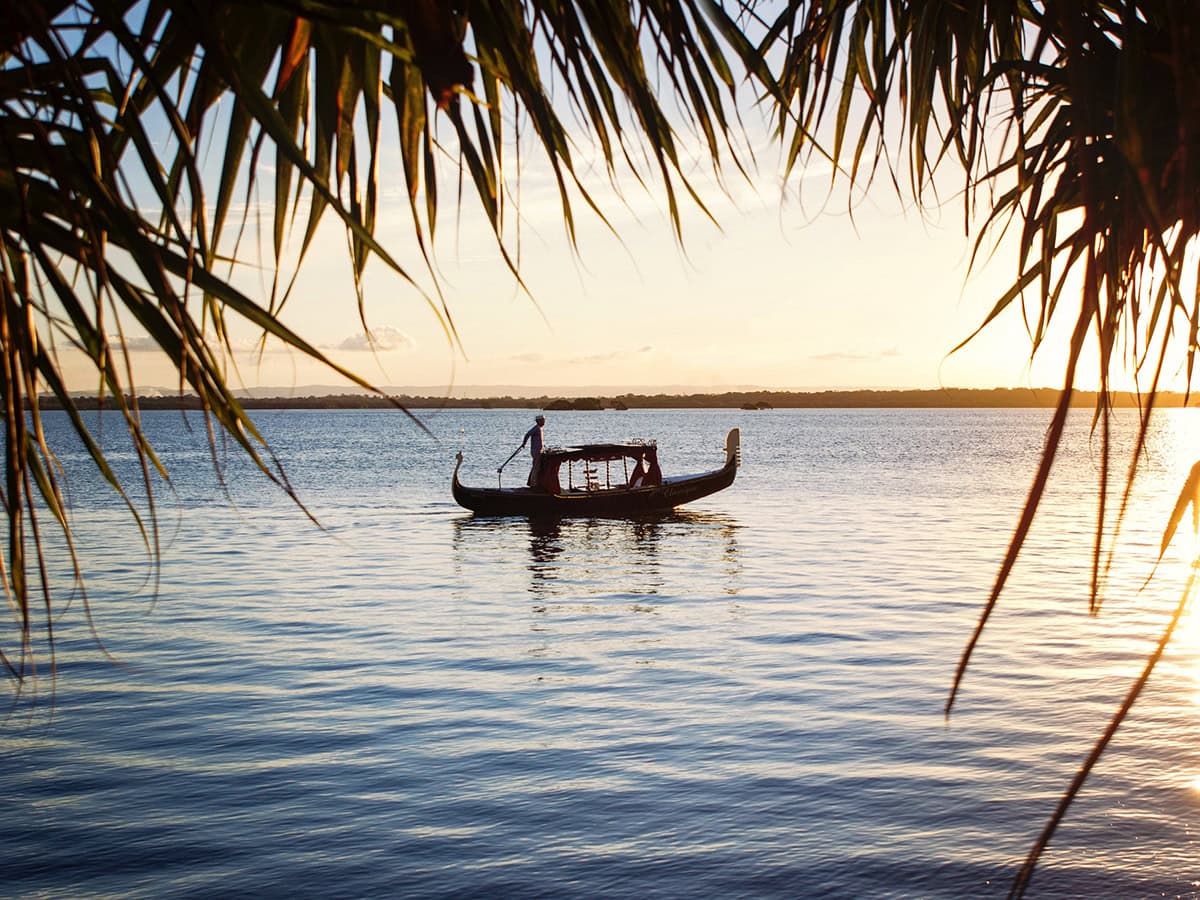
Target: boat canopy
(639, 467)
(601, 452)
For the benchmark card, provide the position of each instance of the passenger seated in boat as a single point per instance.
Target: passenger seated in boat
(653, 472)
(638, 478)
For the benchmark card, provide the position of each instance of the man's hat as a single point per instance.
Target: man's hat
(539, 418)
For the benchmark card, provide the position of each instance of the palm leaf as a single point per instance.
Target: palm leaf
(306, 81)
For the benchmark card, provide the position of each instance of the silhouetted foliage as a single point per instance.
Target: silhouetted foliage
(1073, 124)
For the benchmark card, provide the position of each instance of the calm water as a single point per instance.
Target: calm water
(744, 699)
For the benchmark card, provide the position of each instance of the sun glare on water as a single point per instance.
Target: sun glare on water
(1164, 473)
(1180, 452)
(1184, 449)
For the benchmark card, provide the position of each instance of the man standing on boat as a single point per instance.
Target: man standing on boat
(533, 437)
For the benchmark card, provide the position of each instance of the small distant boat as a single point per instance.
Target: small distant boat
(600, 480)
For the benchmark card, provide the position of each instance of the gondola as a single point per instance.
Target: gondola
(599, 480)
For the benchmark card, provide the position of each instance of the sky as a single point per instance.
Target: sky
(794, 288)
(781, 294)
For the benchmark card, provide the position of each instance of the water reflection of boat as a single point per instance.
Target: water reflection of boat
(599, 559)
(597, 486)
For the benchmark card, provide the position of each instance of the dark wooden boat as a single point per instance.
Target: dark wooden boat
(600, 480)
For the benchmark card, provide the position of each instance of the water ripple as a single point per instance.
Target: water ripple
(744, 699)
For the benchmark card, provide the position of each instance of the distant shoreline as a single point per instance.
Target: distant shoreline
(942, 398)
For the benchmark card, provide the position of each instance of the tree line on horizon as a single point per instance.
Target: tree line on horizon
(899, 398)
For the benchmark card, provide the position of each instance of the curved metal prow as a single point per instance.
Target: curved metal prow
(733, 446)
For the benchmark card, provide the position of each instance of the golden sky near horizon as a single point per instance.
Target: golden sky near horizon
(791, 291)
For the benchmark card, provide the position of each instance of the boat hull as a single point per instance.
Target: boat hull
(617, 502)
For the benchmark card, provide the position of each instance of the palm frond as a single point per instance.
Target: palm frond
(1097, 109)
(109, 217)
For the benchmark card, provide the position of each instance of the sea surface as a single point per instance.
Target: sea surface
(744, 699)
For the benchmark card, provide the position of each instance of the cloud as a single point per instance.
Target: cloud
(378, 340)
(535, 358)
(607, 357)
(846, 356)
(243, 346)
(143, 344)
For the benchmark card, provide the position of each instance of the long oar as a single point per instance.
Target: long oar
(506, 462)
